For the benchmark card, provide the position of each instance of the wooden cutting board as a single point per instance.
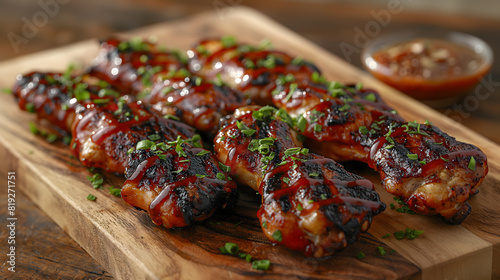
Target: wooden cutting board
(130, 246)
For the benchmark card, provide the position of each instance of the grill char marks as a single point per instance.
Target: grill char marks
(309, 202)
(103, 134)
(160, 78)
(176, 190)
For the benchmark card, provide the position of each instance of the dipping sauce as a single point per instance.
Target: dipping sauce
(429, 69)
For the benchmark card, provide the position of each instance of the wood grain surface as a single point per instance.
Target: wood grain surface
(128, 245)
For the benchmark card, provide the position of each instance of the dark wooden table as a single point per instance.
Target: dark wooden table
(44, 250)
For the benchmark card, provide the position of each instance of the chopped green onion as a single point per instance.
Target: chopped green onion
(203, 152)
(91, 197)
(363, 130)
(144, 144)
(360, 255)
(318, 128)
(30, 107)
(261, 264)
(381, 250)
(293, 87)
(277, 235)
(224, 167)
(472, 164)
(412, 156)
(154, 137)
(115, 191)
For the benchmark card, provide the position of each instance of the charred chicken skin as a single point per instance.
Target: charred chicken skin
(177, 183)
(429, 170)
(130, 65)
(106, 128)
(251, 70)
(160, 79)
(104, 133)
(309, 202)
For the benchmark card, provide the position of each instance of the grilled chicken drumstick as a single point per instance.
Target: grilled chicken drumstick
(309, 202)
(429, 170)
(168, 183)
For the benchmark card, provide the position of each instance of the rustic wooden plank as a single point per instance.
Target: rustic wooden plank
(126, 243)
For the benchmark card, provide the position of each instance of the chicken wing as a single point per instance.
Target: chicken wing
(309, 202)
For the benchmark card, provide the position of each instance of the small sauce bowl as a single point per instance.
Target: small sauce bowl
(435, 68)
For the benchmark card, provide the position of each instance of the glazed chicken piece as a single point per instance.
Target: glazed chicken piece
(193, 100)
(251, 70)
(177, 183)
(130, 65)
(309, 202)
(160, 79)
(429, 170)
(104, 132)
(55, 96)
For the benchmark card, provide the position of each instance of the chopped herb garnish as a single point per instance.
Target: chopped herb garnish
(245, 129)
(472, 164)
(293, 87)
(30, 107)
(444, 159)
(143, 58)
(144, 144)
(360, 255)
(6, 90)
(264, 224)
(286, 180)
(115, 191)
(261, 264)
(228, 41)
(323, 196)
(318, 128)
(230, 248)
(154, 137)
(299, 207)
(399, 234)
(51, 138)
(33, 128)
(412, 156)
(381, 250)
(363, 130)
(386, 235)
(345, 107)
(224, 167)
(277, 235)
(371, 97)
(197, 81)
(301, 123)
(91, 197)
(201, 176)
(203, 152)
(96, 180)
(220, 176)
(313, 174)
(108, 92)
(310, 201)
